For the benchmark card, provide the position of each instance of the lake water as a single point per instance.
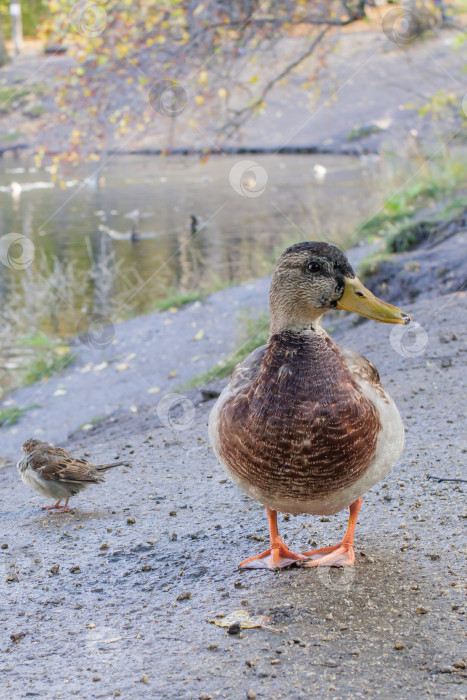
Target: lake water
(85, 260)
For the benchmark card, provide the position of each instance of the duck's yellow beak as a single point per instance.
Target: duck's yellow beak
(358, 298)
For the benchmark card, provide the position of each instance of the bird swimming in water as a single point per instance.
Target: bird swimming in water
(304, 425)
(193, 224)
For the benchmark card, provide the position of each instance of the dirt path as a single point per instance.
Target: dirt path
(370, 94)
(150, 557)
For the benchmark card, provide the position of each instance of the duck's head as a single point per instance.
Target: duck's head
(312, 277)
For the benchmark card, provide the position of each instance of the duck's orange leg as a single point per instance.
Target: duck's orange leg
(340, 554)
(278, 555)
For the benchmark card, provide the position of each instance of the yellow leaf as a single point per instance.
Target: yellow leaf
(154, 390)
(254, 79)
(199, 335)
(199, 99)
(243, 618)
(203, 77)
(62, 350)
(222, 92)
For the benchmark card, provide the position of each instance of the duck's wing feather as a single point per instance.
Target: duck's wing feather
(247, 370)
(362, 369)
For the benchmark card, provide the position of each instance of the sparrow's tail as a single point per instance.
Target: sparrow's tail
(104, 467)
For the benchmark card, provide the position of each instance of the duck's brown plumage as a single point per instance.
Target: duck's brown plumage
(293, 431)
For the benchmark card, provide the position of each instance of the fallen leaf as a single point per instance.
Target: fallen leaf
(62, 350)
(154, 390)
(121, 367)
(243, 618)
(199, 335)
(99, 368)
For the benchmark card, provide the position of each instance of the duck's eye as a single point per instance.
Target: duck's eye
(314, 266)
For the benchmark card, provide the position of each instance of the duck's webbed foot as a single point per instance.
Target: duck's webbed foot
(278, 555)
(339, 555)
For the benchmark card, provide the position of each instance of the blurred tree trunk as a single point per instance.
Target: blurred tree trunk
(3, 53)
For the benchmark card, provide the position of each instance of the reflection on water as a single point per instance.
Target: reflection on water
(124, 237)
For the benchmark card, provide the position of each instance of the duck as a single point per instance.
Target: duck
(304, 425)
(56, 473)
(193, 224)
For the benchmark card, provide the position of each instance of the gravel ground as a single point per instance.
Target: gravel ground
(117, 598)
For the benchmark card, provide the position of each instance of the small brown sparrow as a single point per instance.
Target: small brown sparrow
(56, 473)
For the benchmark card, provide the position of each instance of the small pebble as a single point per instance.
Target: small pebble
(184, 596)
(130, 521)
(235, 628)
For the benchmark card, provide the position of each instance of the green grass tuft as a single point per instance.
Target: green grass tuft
(10, 416)
(435, 181)
(176, 299)
(49, 358)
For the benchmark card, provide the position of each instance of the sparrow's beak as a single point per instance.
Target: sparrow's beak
(358, 298)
